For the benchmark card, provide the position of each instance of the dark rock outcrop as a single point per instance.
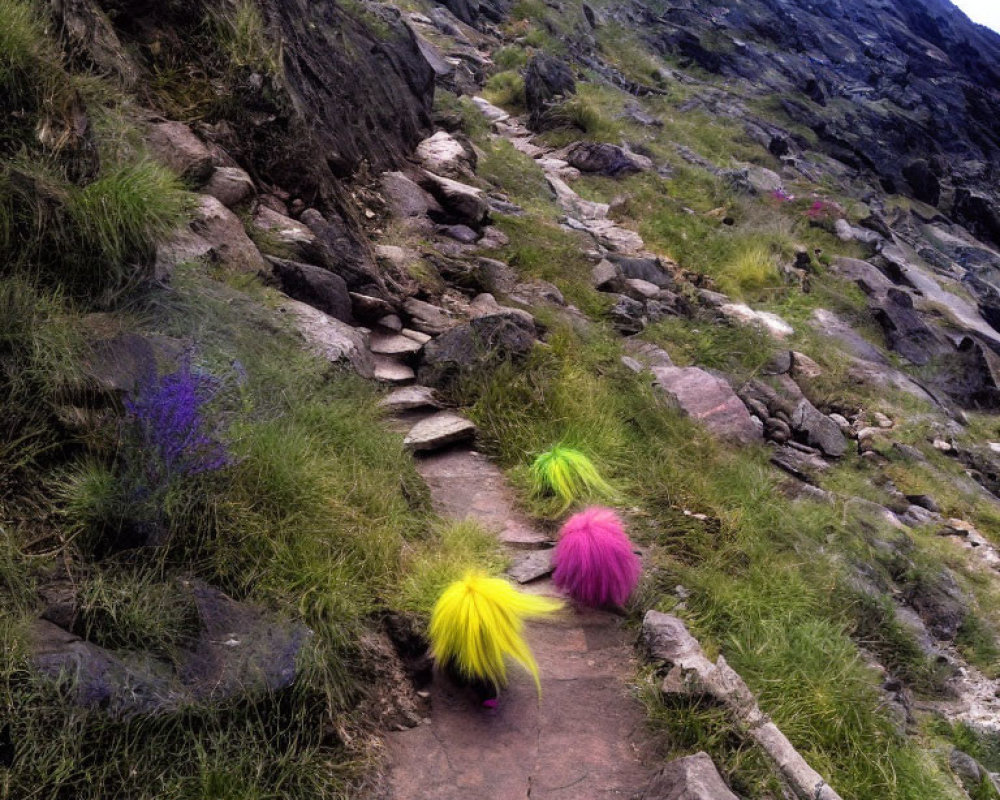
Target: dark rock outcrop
(314, 285)
(481, 343)
(546, 79)
(604, 159)
(916, 85)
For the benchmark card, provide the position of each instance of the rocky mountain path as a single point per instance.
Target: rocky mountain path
(581, 214)
(585, 737)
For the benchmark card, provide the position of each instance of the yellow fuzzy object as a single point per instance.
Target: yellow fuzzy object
(478, 620)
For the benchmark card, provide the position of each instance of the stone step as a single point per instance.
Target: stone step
(393, 344)
(531, 566)
(409, 398)
(439, 430)
(389, 370)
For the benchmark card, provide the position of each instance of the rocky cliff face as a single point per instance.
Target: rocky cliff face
(906, 91)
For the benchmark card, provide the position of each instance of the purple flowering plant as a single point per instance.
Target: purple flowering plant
(174, 433)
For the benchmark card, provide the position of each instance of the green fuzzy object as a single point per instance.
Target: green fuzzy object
(568, 474)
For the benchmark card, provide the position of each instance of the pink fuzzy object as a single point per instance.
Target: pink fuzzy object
(594, 562)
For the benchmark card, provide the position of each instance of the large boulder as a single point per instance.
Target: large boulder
(466, 204)
(906, 332)
(239, 648)
(222, 229)
(230, 186)
(646, 268)
(690, 778)
(939, 601)
(330, 338)
(818, 429)
(709, 400)
(408, 202)
(479, 344)
(314, 285)
(174, 145)
(443, 154)
(546, 80)
(605, 159)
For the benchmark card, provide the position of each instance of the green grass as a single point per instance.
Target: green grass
(444, 557)
(506, 89)
(319, 518)
(764, 588)
(243, 37)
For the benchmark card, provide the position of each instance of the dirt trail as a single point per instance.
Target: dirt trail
(582, 741)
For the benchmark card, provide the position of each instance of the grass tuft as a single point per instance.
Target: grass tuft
(568, 475)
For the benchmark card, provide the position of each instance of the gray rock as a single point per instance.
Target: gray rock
(174, 145)
(366, 307)
(690, 778)
(777, 430)
(647, 353)
(387, 369)
(393, 344)
(531, 566)
(391, 322)
(284, 230)
(437, 431)
(406, 199)
(641, 290)
(99, 678)
(971, 773)
(460, 233)
(819, 430)
(867, 276)
(803, 466)
(546, 81)
(222, 229)
(906, 331)
(466, 203)
(313, 285)
(443, 154)
(408, 398)
(240, 649)
(627, 315)
(709, 400)
(230, 186)
(605, 159)
(606, 277)
(182, 247)
(119, 364)
(330, 338)
(940, 603)
(754, 180)
(644, 268)
(428, 318)
(478, 344)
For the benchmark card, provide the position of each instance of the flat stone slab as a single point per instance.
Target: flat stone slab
(408, 398)
(437, 431)
(583, 740)
(709, 400)
(393, 344)
(466, 485)
(691, 778)
(531, 566)
(389, 370)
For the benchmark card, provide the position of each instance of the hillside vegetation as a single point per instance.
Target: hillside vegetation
(182, 464)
